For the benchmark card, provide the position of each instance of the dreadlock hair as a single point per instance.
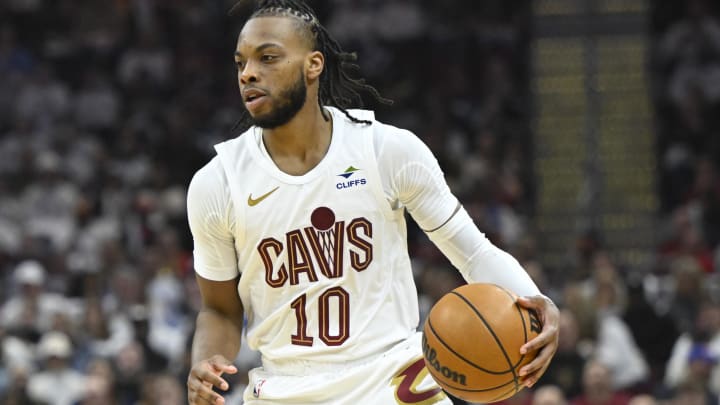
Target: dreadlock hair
(337, 87)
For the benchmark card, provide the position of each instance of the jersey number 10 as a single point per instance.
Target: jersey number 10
(301, 336)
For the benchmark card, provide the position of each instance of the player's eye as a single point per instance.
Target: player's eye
(268, 58)
(239, 64)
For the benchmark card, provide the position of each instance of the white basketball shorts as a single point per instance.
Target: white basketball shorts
(398, 377)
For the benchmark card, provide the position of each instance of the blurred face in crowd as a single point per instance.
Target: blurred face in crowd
(700, 368)
(708, 319)
(690, 396)
(95, 324)
(596, 378)
(163, 390)
(98, 391)
(569, 332)
(273, 57)
(131, 360)
(101, 368)
(549, 395)
(31, 291)
(642, 400)
(56, 363)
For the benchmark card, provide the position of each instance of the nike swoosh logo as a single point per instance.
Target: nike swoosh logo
(255, 201)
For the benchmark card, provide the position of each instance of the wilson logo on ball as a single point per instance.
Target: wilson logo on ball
(432, 361)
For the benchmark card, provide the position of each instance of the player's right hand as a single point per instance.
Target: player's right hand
(205, 375)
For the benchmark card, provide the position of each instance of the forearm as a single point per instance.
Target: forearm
(216, 334)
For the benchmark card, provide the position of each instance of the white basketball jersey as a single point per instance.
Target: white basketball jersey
(325, 272)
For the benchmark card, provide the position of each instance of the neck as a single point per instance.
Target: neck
(299, 145)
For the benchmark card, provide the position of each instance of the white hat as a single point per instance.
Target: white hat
(16, 353)
(54, 344)
(29, 272)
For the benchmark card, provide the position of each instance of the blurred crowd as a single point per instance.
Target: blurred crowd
(643, 336)
(108, 108)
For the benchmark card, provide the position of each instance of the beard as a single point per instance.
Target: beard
(290, 102)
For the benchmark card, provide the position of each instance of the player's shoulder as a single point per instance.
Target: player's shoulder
(237, 144)
(394, 141)
(395, 133)
(386, 136)
(208, 180)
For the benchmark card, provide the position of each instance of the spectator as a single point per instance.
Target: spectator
(29, 312)
(97, 105)
(162, 389)
(146, 65)
(687, 280)
(169, 324)
(597, 387)
(100, 384)
(16, 391)
(549, 395)
(607, 336)
(645, 323)
(105, 110)
(58, 383)
(154, 360)
(695, 355)
(130, 365)
(693, 392)
(44, 99)
(617, 349)
(50, 203)
(605, 287)
(104, 334)
(642, 399)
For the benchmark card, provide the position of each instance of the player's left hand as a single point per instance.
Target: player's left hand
(546, 342)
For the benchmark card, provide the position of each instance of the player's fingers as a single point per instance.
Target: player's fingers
(200, 393)
(545, 343)
(543, 357)
(539, 303)
(222, 365)
(198, 400)
(211, 378)
(531, 373)
(549, 317)
(547, 338)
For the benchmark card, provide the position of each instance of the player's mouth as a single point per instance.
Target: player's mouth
(253, 98)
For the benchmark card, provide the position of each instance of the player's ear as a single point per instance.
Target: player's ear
(314, 65)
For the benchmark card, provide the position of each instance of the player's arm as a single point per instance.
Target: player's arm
(419, 184)
(480, 261)
(217, 339)
(220, 320)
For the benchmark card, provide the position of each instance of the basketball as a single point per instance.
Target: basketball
(472, 339)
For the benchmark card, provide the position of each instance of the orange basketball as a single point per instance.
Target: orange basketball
(472, 339)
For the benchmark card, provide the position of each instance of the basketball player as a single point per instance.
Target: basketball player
(299, 226)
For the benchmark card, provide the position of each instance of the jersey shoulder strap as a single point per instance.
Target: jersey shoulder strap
(233, 155)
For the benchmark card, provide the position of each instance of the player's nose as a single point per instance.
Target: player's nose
(249, 73)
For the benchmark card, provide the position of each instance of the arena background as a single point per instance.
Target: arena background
(583, 136)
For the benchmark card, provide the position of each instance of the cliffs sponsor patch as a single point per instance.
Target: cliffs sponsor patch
(352, 178)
